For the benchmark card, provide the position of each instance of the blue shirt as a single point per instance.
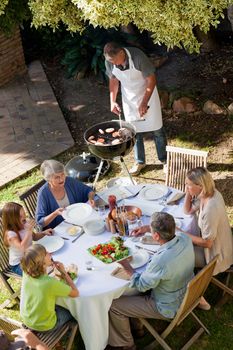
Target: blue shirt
(168, 274)
(77, 192)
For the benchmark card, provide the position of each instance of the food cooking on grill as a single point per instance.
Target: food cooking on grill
(109, 130)
(110, 136)
(115, 134)
(111, 251)
(116, 142)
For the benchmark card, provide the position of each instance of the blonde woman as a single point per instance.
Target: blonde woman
(39, 291)
(215, 232)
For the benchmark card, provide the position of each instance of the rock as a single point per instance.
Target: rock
(158, 61)
(164, 98)
(212, 108)
(230, 108)
(184, 105)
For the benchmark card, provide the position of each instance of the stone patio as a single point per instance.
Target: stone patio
(32, 126)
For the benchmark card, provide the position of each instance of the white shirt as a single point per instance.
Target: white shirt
(15, 254)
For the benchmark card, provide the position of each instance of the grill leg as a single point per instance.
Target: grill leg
(126, 169)
(98, 174)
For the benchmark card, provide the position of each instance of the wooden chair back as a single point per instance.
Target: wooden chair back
(179, 161)
(50, 338)
(195, 290)
(29, 198)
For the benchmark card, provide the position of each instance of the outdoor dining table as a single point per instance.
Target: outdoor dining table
(98, 287)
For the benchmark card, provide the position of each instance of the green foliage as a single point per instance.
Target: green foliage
(170, 22)
(84, 52)
(12, 13)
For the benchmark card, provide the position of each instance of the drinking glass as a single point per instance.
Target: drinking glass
(89, 263)
(101, 211)
(133, 224)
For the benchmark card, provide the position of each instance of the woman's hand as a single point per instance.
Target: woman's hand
(140, 230)
(92, 203)
(48, 232)
(59, 211)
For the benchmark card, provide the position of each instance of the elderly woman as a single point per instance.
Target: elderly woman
(57, 193)
(215, 232)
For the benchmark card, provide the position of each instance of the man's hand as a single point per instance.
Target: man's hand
(140, 230)
(143, 109)
(115, 108)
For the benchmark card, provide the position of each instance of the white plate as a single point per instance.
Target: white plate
(140, 258)
(153, 192)
(120, 181)
(77, 213)
(51, 243)
(94, 227)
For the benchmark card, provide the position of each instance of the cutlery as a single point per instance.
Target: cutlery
(80, 234)
(66, 222)
(67, 239)
(146, 249)
(134, 195)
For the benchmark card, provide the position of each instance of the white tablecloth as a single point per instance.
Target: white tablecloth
(97, 287)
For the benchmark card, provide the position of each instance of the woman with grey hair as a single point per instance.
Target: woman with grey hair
(58, 192)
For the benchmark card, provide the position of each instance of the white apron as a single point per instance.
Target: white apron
(133, 86)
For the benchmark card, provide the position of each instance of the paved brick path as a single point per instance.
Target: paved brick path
(32, 126)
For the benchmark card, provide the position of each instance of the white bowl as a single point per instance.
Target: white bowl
(94, 227)
(120, 181)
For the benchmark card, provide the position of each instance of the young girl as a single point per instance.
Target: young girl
(39, 291)
(18, 233)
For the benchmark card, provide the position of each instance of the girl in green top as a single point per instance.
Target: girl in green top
(39, 291)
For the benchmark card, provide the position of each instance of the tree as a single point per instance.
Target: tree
(170, 22)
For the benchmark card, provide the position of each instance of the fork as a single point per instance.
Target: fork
(134, 195)
(80, 234)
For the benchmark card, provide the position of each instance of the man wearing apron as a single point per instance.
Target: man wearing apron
(140, 99)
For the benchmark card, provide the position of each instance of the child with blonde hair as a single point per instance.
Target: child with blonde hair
(39, 291)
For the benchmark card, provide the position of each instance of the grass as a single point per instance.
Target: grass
(218, 320)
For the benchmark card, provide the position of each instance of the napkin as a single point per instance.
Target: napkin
(120, 272)
(175, 196)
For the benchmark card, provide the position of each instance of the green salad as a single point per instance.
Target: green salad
(111, 251)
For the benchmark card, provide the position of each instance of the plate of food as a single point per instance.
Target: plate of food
(111, 251)
(77, 213)
(140, 258)
(74, 230)
(153, 192)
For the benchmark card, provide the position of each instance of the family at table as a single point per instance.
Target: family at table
(159, 287)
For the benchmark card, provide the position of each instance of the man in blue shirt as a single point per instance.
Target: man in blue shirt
(165, 277)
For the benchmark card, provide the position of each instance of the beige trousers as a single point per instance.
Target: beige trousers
(120, 312)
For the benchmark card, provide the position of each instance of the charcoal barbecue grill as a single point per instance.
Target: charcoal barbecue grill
(107, 150)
